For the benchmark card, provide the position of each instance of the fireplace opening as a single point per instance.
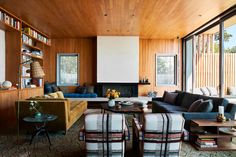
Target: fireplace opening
(125, 89)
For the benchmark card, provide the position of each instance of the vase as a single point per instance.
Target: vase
(111, 103)
(37, 115)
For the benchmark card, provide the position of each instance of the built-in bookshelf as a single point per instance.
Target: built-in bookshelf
(29, 44)
(9, 20)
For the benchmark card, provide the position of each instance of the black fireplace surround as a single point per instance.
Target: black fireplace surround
(125, 89)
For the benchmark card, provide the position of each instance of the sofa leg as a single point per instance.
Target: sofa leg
(65, 132)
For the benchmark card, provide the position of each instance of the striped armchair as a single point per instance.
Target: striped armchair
(159, 136)
(105, 134)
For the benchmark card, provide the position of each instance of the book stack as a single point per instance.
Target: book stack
(9, 20)
(206, 143)
(35, 34)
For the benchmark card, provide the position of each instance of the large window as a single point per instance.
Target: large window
(67, 69)
(166, 69)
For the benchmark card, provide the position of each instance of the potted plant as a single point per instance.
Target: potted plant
(112, 95)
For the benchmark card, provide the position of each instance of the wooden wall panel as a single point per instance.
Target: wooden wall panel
(8, 118)
(13, 47)
(86, 47)
(148, 48)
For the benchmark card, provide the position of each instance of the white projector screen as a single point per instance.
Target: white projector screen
(117, 59)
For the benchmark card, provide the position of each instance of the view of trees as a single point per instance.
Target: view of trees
(227, 37)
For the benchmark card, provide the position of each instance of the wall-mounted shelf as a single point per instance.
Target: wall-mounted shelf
(144, 83)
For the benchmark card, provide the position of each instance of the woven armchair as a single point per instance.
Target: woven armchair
(159, 135)
(105, 134)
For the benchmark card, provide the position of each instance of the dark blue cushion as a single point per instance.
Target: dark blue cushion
(77, 95)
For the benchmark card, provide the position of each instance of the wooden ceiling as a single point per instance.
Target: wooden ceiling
(159, 19)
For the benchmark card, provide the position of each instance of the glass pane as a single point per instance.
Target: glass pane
(230, 56)
(165, 70)
(207, 61)
(189, 65)
(68, 69)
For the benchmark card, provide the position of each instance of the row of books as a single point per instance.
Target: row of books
(206, 143)
(35, 34)
(27, 40)
(9, 20)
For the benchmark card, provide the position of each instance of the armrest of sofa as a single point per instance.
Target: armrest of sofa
(231, 108)
(157, 99)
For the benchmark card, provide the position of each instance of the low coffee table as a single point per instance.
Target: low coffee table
(40, 125)
(126, 109)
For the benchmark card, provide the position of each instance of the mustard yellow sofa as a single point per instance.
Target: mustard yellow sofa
(67, 111)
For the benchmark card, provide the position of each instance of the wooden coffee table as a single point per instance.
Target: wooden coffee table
(129, 109)
(211, 129)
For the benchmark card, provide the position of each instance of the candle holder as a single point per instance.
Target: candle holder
(220, 118)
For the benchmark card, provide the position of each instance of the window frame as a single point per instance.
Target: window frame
(59, 55)
(175, 68)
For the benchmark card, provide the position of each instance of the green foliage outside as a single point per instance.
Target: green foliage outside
(227, 37)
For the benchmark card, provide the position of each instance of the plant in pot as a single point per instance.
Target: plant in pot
(112, 95)
(34, 106)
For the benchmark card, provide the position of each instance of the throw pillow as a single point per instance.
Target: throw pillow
(53, 95)
(170, 97)
(81, 90)
(90, 89)
(195, 105)
(55, 88)
(64, 89)
(232, 90)
(60, 95)
(205, 91)
(205, 106)
(212, 91)
(197, 91)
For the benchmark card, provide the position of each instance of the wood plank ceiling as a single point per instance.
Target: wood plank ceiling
(160, 19)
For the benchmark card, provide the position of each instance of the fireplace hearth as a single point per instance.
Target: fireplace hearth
(125, 89)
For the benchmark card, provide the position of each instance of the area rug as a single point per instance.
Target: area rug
(69, 146)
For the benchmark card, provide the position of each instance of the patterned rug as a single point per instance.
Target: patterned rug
(69, 146)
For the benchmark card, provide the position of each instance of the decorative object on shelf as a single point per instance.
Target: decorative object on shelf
(34, 106)
(111, 95)
(6, 85)
(152, 94)
(220, 117)
(36, 70)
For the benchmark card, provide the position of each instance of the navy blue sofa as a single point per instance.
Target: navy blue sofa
(77, 95)
(183, 102)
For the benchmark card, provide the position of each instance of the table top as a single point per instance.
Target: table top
(213, 122)
(42, 118)
(124, 109)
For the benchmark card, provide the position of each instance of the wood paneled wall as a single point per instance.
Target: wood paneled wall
(86, 47)
(8, 115)
(148, 48)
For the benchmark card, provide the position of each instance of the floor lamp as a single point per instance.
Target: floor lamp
(36, 72)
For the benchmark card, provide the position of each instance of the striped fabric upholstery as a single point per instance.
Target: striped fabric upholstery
(105, 134)
(160, 134)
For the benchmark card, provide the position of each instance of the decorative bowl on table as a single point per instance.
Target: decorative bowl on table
(126, 103)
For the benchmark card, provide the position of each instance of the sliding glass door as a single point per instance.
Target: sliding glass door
(230, 56)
